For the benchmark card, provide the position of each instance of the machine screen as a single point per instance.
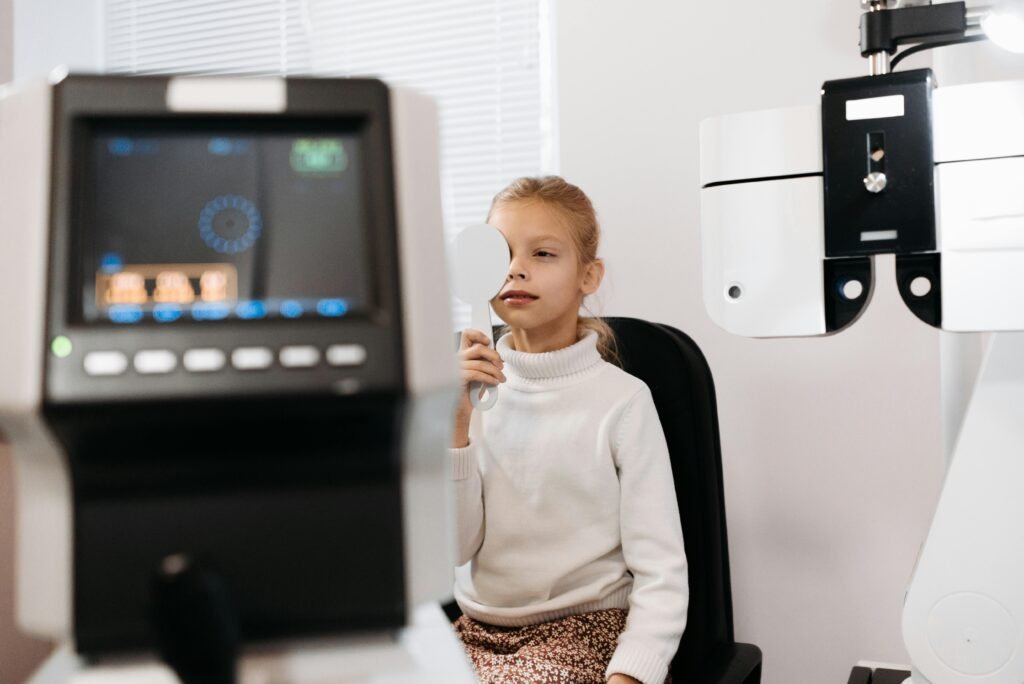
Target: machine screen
(211, 223)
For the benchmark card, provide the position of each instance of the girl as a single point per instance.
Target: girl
(572, 567)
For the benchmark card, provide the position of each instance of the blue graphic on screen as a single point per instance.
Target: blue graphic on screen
(111, 262)
(224, 146)
(230, 224)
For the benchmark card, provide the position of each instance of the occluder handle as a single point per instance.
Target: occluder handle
(482, 395)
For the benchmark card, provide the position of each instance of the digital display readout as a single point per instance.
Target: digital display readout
(186, 225)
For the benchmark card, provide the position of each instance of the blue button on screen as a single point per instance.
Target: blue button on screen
(125, 313)
(291, 308)
(219, 146)
(210, 312)
(120, 147)
(251, 310)
(166, 313)
(332, 307)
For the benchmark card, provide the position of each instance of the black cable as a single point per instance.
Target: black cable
(928, 46)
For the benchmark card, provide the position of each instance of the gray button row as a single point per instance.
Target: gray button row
(162, 361)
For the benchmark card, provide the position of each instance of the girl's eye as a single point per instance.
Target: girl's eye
(543, 253)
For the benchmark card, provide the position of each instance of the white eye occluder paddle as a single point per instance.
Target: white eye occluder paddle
(481, 266)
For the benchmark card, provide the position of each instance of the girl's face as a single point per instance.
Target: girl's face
(545, 284)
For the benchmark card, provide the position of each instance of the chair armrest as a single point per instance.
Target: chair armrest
(860, 675)
(735, 664)
(452, 610)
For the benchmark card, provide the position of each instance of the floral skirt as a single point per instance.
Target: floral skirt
(572, 650)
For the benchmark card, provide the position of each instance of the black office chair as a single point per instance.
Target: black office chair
(684, 394)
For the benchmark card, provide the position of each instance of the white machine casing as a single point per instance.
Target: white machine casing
(431, 373)
(42, 484)
(765, 238)
(43, 495)
(979, 157)
(762, 221)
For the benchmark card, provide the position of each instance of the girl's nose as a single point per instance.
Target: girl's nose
(516, 271)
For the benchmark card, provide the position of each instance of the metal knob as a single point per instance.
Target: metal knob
(875, 182)
(875, 5)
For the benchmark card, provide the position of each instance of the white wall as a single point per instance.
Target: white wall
(973, 62)
(832, 446)
(6, 40)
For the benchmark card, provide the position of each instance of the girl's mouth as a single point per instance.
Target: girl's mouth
(518, 298)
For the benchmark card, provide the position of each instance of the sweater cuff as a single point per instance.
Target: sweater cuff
(463, 462)
(639, 662)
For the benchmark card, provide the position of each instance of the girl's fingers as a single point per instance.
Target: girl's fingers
(478, 351)
(485, 367)
(478, 359)
(471, 337)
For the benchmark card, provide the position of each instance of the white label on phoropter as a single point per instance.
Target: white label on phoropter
(876, 235)
(874, 108)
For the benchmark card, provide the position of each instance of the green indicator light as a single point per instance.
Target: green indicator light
(61, 347)
(318, 156)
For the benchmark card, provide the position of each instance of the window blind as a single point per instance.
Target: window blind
(205, 36)
(486, 63)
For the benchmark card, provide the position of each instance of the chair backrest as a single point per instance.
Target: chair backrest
(684, 393)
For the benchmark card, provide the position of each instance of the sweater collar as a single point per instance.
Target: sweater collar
(562, 363)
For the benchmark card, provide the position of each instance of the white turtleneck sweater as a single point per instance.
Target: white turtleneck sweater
(566, 505)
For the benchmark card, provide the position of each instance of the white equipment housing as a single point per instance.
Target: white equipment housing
(762, 227)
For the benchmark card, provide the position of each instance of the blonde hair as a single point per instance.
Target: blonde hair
(577, 212)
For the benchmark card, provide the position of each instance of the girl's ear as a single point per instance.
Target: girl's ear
(593, 273)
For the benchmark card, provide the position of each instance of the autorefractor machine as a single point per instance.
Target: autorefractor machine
(795, 203)
(226, 372)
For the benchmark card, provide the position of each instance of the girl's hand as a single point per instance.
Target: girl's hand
(622, 679)
(478, 362)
